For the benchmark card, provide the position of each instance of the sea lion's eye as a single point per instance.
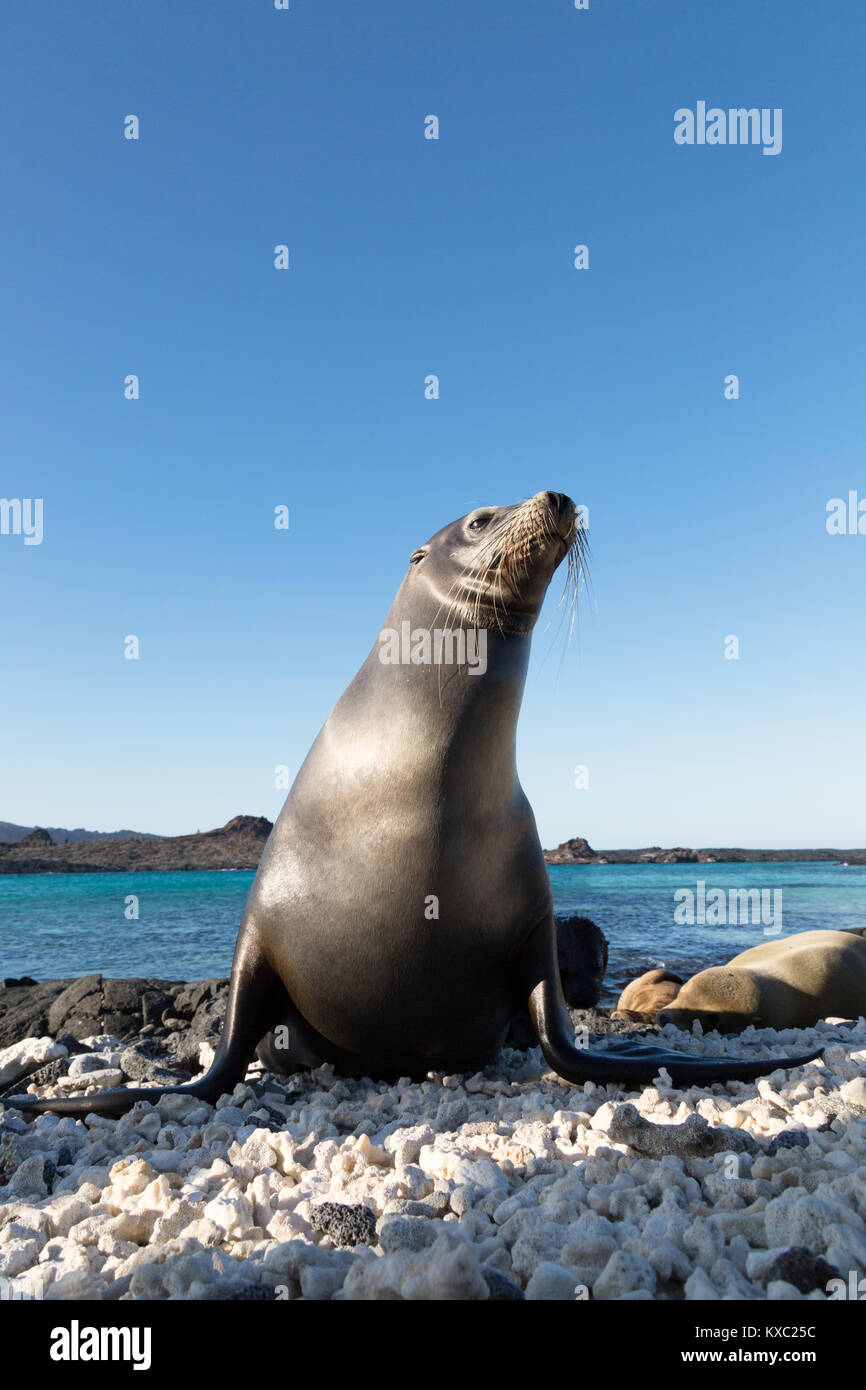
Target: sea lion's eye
(419, 555)
(478, 523)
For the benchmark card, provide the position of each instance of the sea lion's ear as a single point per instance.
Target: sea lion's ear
(417, 556)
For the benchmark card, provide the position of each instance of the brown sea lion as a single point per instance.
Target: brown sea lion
(642, 998)
(402, 913)
(790, 982)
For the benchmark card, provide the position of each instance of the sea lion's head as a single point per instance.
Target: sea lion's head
(643, 997)
(720, 999)
(583, 954)
(492, 567)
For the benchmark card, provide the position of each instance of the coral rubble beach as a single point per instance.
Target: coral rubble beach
(507, 1184)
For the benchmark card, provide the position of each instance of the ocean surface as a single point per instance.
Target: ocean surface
(53, 926)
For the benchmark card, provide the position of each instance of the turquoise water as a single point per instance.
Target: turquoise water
(58, 925)
(634, 905)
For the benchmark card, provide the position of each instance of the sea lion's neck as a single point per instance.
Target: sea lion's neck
(473, 667)
(437, 711)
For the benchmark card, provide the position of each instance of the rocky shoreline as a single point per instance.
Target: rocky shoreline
(579, 851)
(236, 845)
(508, 1184)
(239, 845)
(163, 1028)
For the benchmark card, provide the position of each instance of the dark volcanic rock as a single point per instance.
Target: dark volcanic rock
(205, 1026)
(501, 1287)
(165, 1022)
(802, 1268)
(247, 1293)
(83, 999)
(155, 1003)
(344, 1225)
(123, 996)
(92, 1005)
(598, 1023)
(43, 1075)
(150, 1060)
(789, 1139)
(118, 1025)
(189, 999)
(24, 1010)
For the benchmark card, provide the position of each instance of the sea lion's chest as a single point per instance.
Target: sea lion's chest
(406, 833)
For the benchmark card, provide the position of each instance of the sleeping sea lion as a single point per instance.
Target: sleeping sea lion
(790, 982)
(642, 998)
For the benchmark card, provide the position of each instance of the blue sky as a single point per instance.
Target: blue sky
(306, 388)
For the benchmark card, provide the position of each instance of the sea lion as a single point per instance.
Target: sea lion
(402, 912)
(581, 954)
(791, 982)
(642, 998)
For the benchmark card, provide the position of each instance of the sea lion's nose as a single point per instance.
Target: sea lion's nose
(558, 502)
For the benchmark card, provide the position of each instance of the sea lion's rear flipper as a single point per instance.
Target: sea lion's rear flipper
(256, 998)
(625, 1059)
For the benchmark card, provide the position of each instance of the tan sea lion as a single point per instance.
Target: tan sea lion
(791, 982)
(642, 998)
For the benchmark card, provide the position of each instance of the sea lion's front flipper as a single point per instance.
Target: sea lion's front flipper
(625, 1059)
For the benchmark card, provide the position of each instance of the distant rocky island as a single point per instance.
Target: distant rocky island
(239, 845)
(579, 851)
(11, 834)
(236, 845)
